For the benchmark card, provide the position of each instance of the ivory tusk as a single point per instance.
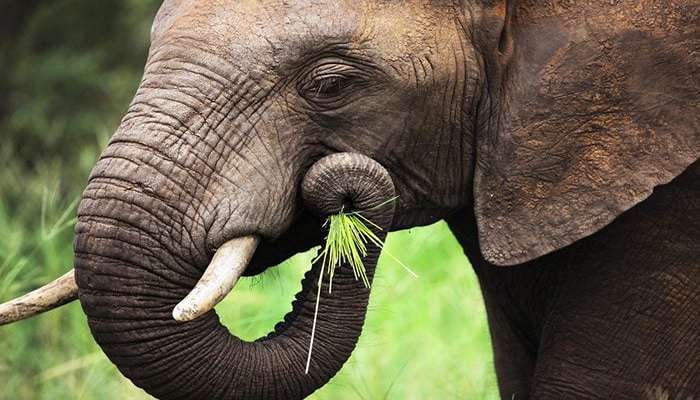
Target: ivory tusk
(228, 264)
(57, 293)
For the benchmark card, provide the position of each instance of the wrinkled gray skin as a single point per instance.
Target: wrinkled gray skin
(533, 127)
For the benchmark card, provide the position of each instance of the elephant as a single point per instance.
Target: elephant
(558, 139)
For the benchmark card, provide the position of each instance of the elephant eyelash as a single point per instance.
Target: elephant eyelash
(332, 83)
(330, 86)
(330, 91)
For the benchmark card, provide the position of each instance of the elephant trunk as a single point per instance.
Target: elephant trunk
(131, 277)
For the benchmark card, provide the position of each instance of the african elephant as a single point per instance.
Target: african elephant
(559, 139)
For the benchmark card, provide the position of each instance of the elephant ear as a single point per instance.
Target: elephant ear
(594, 106)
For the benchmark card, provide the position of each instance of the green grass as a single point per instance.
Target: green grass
(346, 242)
(424, 337)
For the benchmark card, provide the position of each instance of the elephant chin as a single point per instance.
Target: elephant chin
(129, 282)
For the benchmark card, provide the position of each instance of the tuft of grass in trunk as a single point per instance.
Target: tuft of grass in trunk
(348, 236)
(346, 243)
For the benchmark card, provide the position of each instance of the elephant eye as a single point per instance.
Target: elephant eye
(328, 89)
(332, 84)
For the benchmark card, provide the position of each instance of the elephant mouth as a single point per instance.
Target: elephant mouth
(224, 270)
(247, 255)
(303, 235)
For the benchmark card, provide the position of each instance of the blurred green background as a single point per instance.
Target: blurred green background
(68, 69)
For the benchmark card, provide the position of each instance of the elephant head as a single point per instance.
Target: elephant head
(546, 126)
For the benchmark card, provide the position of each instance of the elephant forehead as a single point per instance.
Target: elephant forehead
(258, 33)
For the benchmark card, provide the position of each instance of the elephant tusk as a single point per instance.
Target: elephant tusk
(57, 293)
(228, 264)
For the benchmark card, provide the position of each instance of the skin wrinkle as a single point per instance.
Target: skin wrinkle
(170, 279)
(173, 287)
(165, 274)
(193, 365)
(154, 235)
(253, 129)
(202, 370)
(176, 67)
(157, 370)
(155, 326)
(111, 182)
(103, 198)
(165, 200)
(183, 90)
(170, 68)
(114, 260)
(269, 151)
(164, 158)
(161, 353)
(143, 265)
(181, 127)
(170, 53)
(454, 123)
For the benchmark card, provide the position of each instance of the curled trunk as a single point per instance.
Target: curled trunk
(130, 279)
